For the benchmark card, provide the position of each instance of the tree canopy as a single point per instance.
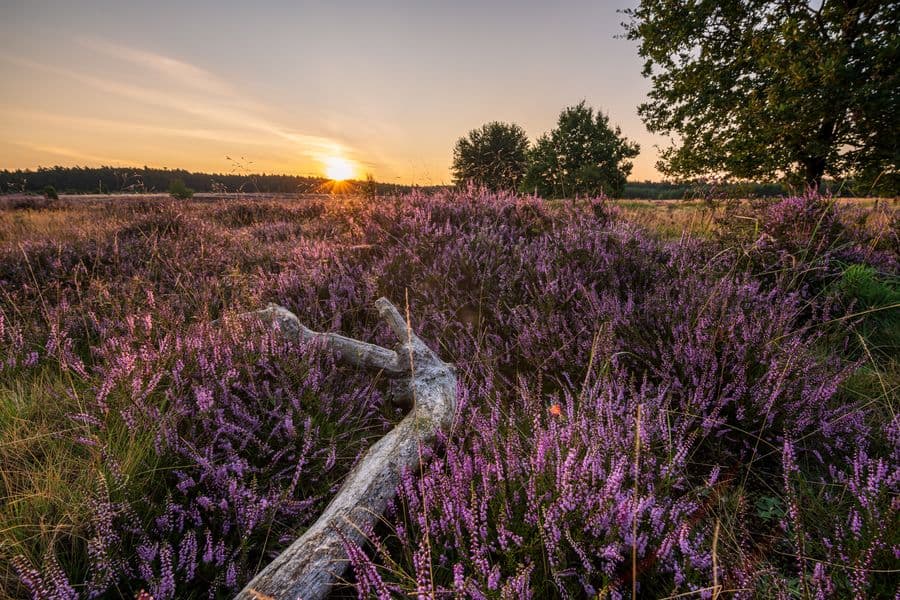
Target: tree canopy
(494, 156)
(758, 89)
(582, 156)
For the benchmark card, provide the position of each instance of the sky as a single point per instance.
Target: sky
(288, 86)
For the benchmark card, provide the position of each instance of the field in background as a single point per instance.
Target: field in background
(28, 216)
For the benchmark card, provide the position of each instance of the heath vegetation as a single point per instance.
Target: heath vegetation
(709, 414)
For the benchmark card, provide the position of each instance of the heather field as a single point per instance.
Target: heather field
(691, 400)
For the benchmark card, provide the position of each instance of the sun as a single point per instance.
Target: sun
(338, 169)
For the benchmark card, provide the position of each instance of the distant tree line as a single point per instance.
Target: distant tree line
(115, 180)
(107, 180)
(654, 190)
(702, 188)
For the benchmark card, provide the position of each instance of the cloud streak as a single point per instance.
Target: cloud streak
(189, 91)
(118, 126)
(184, 73)
(75, 154)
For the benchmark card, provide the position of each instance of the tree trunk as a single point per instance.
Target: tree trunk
(311, 565)
(813, 170)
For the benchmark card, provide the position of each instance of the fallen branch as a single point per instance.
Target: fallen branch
(309, 567)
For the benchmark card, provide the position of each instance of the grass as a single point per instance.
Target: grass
(49, 478)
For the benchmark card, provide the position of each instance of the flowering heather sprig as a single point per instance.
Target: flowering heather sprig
(50, 582)
(795, 525)
(862, 535)
(368, 580)
(12, 347)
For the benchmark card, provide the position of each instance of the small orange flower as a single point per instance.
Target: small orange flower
(555, 410)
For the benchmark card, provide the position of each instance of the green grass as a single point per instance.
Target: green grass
(49, 478)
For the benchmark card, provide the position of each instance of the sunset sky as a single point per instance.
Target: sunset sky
(290, 86)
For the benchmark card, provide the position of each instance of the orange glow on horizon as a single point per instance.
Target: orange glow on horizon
(338, 169)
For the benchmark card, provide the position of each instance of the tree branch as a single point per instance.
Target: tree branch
(355, 352)
(311, 565)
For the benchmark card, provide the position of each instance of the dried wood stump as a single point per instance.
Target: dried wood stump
(309, 567)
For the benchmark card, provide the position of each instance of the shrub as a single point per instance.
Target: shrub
(50, 193)
(179, 191)
(369, 188)
(877, 299)
(243, 213)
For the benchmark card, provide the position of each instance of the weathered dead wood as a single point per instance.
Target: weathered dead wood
(309, 567)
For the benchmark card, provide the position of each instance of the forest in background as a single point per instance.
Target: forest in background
(116, 180)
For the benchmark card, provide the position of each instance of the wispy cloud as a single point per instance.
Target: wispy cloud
(194, 92)
(184, 73)
(113, 125)
(75, 154)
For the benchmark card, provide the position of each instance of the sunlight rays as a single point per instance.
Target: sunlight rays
(339, 169)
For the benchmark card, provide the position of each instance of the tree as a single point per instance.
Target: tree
(761, 89)
(179, 191)
(495, 156)
(582, 156)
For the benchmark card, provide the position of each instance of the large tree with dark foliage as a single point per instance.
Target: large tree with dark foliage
(494, 156)
(582, 156)
(758, 89)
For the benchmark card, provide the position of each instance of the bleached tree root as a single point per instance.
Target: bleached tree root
(310, 566)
